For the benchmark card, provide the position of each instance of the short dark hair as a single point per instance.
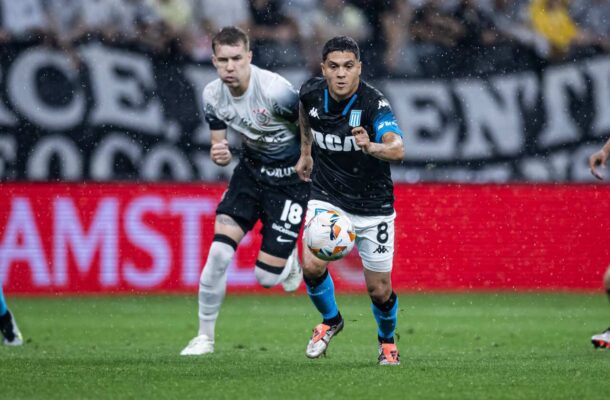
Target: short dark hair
(341, 43)
(232, 36)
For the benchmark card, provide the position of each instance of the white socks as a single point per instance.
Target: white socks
(212, 286)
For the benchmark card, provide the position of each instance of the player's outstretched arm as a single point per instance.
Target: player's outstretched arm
(599, 158)
(390, 149)
(220, 152)
(305, 164)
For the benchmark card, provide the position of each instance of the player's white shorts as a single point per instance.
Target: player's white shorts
(374, 235)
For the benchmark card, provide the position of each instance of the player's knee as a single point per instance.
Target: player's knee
(313, 266)
(220, 255)
(267, 276)
(311, 269)
(379, 292)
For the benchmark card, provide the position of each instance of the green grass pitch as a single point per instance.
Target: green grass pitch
(453, 346)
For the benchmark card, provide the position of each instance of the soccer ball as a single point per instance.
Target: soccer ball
(329, 235)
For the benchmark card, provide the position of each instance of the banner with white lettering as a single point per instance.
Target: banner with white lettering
(125, 238)
(121, 113)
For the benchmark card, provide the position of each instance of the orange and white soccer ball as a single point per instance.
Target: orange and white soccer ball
(330, 235)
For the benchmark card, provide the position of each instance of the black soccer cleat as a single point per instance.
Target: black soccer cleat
(10, 331)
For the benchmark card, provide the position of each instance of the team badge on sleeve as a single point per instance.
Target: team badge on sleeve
(354, 118)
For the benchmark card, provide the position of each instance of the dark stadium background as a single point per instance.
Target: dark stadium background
(103, 138)
(107, 199)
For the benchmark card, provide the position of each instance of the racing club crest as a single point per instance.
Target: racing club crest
(354, 118)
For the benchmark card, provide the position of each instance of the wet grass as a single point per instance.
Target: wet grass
(454, 346)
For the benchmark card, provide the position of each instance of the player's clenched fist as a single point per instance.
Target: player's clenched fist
(362, 138)
(597, 159)
(304, 167)
(220, 153)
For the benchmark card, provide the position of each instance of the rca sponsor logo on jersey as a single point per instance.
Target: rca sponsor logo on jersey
(335, 142)
(278, 172)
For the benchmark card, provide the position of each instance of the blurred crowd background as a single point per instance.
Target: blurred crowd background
(414, 38)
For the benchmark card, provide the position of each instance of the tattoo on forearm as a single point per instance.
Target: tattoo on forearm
(306, 136)
(226, 220)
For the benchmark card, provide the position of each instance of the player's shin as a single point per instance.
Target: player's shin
(607, 282)
(386, 317)
(212, 285)
(321, 291)
(3, 307)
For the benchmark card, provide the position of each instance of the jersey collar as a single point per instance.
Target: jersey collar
(350, 103)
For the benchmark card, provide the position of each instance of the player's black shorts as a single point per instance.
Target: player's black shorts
(281, 209)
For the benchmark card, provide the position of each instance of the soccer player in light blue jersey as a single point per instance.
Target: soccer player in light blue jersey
(8, 326)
